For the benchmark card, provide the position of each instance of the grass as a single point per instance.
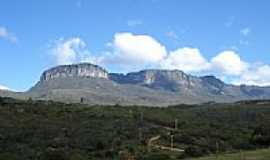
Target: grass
(263, 154)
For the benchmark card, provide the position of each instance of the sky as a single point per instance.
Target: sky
(228, 38)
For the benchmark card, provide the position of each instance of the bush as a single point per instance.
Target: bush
(157, 156)
(195, 151)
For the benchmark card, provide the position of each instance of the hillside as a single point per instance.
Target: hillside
(49, 130)
(153, 87)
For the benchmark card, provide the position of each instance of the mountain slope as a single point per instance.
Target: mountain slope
(92, 84)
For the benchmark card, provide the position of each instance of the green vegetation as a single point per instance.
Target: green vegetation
(45, 130)
(263, 154)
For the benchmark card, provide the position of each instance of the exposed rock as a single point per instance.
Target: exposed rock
(171, 80)
(149, 76)
(93, 84)
(76, 70)
(253, 90)
(213, 84)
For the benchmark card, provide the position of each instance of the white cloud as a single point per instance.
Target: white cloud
(129, 52)
(230, 66)
(186, 59)
(4, 33)
(134, 22)
(133, 49)
(245, 31)
(4, 88)
(257, 74)
(71, 51)
(229, 63)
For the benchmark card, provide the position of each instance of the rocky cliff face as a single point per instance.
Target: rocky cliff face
(172, 80)
(69, 83)
(149, 76)
(76, 70)
(213, 85)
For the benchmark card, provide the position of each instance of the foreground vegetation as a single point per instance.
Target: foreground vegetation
(42, 130)
(263, 154)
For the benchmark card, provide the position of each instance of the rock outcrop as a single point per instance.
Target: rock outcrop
(171, 80)
(149, 76)
(71, 83)
(75, 70)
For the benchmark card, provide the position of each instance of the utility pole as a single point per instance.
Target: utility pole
(82, 100)
(217, 145)
(217, 148)
(141, 127)
(140, 134)
(242, 155)
(176, 124)
(141, 117)
(172, 136)
(172, 133)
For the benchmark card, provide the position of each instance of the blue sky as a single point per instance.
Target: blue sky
(190, 35)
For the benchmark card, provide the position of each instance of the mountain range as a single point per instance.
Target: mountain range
(92, 84)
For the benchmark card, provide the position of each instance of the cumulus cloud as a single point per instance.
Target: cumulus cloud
(71, 51)
(229, 63)
(138, 47)
(136, 51)
(131, 52)
(141, 51)
(257, 74)
(5, 34)
(4, 88)
(186, 59)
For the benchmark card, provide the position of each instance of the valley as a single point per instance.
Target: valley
(52, 130)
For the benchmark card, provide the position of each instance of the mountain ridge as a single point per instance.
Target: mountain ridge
(92, 84)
